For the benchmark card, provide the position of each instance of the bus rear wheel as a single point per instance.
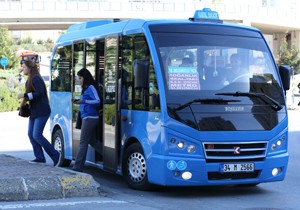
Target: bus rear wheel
(135, 168)
(58, 143)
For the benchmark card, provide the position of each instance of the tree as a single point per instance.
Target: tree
(6, 42)
(40, 42)
(289, 55)
(27, 40)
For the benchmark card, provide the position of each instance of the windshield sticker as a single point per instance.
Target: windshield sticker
(234, 109)
(183, 78)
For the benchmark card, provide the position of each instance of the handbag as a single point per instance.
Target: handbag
(24, 110)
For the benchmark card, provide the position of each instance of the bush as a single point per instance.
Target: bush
(8, 100)
(9, 90)
(110, 113)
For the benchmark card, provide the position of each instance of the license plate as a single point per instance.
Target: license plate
(237, 167)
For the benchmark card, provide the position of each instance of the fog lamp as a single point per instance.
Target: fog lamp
(275, 171)
(186, 175)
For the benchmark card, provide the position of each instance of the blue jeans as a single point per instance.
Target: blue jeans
(38, 141)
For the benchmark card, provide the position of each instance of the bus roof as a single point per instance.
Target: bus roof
(93, 30)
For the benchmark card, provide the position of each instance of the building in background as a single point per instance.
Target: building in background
(43, 19)
(277, 19)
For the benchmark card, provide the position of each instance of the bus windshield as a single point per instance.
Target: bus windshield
(212, 75)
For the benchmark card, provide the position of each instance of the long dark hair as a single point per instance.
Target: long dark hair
(33, 70)
(87, 80)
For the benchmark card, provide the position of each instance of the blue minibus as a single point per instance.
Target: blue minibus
(189, 102)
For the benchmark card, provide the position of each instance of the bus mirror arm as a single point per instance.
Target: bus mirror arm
(153, 98)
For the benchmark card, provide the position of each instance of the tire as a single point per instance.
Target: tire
(135, 168)
(58, 143)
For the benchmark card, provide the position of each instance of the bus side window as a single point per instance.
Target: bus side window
(61, 70)
(135, 49)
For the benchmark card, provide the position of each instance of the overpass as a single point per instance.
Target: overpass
(281, 16)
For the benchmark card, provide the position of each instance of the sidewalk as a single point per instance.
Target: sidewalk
(21, 180)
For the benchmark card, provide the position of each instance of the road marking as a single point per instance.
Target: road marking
(33, 205)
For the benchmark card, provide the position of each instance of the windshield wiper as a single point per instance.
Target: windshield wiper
(270, 101)
(204, 101)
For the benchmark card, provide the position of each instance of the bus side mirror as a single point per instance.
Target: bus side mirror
(285, 72)
(141, 74)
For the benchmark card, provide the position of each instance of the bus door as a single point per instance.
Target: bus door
(110, 141)
(99, 75)
(78, 63)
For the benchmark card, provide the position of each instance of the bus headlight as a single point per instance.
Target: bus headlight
(180, 145)
(279, 143)
(273, 147)
(191, 148)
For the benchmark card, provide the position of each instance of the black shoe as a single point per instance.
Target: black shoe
(36, 161)
(57, 161)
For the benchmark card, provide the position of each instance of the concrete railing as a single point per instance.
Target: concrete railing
(235, 10)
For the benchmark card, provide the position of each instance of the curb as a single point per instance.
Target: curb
(21, 181)
(45, 188)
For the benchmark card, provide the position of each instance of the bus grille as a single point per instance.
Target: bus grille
(228, 152)
(234, 151)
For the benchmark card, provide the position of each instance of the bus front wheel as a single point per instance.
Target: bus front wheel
(58, 143)
(135, 168)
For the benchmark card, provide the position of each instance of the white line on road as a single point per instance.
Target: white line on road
(33, 205)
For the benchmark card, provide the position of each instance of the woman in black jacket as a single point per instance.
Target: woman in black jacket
(36, 94)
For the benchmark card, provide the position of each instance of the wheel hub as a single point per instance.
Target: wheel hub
(137, 167)
(58, 144)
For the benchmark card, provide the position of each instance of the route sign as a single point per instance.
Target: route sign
(4, 62)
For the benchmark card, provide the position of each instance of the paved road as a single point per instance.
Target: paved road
(267, 196)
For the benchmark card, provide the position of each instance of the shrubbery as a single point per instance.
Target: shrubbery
(28, 44)
(10, 85)
(9, 89)
(110, 111)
